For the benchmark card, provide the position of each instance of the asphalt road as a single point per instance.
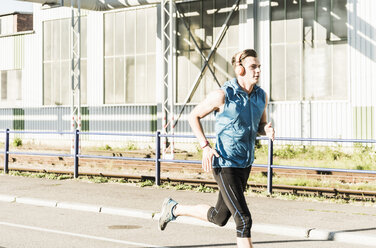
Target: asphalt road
(32, 226)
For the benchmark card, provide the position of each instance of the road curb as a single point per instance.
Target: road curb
(127, 212)
(79, 206)
(36, 202)
(353, 238)
(7, 198)
(299, 232)
(284, 230)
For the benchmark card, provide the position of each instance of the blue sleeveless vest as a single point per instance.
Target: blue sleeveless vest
(236, 127)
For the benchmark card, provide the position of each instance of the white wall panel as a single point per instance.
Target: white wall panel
(95, 60)
(362, 64)
(329, 119)
(32, 91)
(286, 118)
(7, 53)
(57, 13)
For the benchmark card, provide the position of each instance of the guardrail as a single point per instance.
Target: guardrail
(158, 158)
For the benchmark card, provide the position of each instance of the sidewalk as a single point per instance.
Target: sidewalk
(312, 220)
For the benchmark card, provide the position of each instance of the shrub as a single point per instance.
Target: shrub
(17, 142)
(131, 146)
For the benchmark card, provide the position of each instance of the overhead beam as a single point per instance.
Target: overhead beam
(97, 5)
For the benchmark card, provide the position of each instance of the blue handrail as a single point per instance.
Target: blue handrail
(158, 158)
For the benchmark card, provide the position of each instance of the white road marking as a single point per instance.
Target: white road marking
(78, 235)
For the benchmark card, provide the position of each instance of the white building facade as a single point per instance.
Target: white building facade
(318, 66)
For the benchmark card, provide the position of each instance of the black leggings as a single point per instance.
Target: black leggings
(232, 183)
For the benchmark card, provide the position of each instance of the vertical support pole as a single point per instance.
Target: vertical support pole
(76, 149)
(270, 168)
(157, 157)
(6, 155)
(171, 75)
(75, 67)
(167, 79)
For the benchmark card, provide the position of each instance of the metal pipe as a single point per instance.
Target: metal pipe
(41, 154)
(270, 167)
(116, 158)
(118, 134)
(157, 158)
(6, 154)
(76, 151)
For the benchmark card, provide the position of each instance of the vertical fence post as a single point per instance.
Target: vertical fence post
(76, 149)
(270, 169)
(157, 157)
(6, 154)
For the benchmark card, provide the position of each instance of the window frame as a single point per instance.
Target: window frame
(61, 61)
(330, 41)
(147, 55)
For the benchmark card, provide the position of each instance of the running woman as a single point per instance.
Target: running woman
(240, 111)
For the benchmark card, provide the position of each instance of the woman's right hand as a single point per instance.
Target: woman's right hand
(207, 157)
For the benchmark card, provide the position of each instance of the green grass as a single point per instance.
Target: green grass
(312, 182)
(360, 157)
(146, 183)
(41, 175)
(107, 147)
(131, 147)
(182, 186)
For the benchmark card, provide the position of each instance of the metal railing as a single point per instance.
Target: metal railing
(157, 160)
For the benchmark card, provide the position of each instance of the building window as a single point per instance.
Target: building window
(205, 20)
(57, 62)
(11, 86)
(308, 50)
(130, 55)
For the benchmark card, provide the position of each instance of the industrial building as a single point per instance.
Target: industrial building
(141, 60)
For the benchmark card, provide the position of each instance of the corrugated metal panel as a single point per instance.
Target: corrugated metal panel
(6, 119)
(286, 118)
(126, 119)
(327, 119)
(331, 120)
(135, 119)
(362, 66)
(47, 119)
(183, 126)
(7, 53)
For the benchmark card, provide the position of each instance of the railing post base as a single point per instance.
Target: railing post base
(76, 150)
(270, 168)
(6, 150)
(157, 158)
